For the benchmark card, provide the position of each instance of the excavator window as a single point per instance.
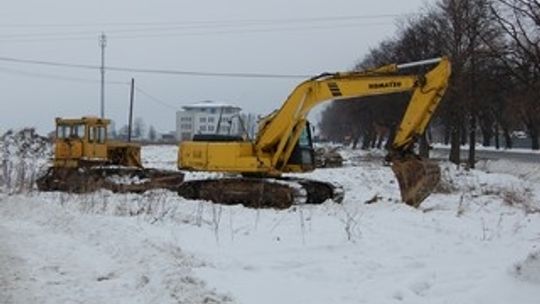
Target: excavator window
(304, 140)
(303, 151)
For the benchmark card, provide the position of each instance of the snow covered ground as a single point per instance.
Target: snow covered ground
(477, 240)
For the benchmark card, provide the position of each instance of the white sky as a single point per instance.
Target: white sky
(292, 46)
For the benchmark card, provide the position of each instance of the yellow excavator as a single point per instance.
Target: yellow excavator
(283, 143)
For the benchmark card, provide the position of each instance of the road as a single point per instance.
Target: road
(528, 157)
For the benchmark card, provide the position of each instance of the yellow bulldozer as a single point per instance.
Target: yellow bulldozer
(86, 160)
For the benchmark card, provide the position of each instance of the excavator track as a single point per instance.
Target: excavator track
(116, 179)
(277, 193)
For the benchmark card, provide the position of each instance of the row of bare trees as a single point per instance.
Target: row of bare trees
(494, 47)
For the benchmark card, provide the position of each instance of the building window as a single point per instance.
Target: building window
(202, 128)
(186, 126)
(185, 119)
(211, 119)
(211, 128)
(202, 119)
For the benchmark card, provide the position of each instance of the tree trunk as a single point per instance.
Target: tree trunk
(455, 141)
(507, 138)
(472, 142)
(380, 141)
(373, 143)
(447, 135)
(486, 138)
(365, 141)
(367, 138)
(463, 135)
(424, 146)
(390, 139)
(535, 145)
(497, 143)
(533, 133)
(355, 142)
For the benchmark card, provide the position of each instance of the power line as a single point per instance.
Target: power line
(156, 71)
(248, 31)
(199, 22)
(155, 99)
(56, 77)
(204, 30)
(144, 92)
(234, 28)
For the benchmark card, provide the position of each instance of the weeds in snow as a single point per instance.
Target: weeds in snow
(350, 223)
(216, 219)
(22, 155)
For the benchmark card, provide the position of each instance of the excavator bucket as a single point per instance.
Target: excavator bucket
(417, 178)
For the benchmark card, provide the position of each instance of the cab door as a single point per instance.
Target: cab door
(68, 145)
(97, 148)
(303, 154)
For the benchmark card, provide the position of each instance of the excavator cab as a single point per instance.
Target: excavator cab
(303, 154)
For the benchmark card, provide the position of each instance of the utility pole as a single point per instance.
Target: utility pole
(102, 44)
(131, 97)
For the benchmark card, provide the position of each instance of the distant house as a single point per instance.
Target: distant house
(207, 117)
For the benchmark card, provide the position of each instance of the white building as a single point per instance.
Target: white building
(205, 118)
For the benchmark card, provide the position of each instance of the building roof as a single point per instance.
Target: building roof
(209, 104)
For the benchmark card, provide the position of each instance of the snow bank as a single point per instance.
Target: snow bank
(51, 253)
(525, 171)
(160, 248)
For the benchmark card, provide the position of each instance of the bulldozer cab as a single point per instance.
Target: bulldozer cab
(80, 140)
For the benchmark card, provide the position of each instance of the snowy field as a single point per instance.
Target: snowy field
(477, 240)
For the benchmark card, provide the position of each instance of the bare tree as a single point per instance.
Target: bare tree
(152, 134)
(520, 21)
(139, 127)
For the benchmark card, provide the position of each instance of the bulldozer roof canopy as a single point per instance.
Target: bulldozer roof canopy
(87, 120)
